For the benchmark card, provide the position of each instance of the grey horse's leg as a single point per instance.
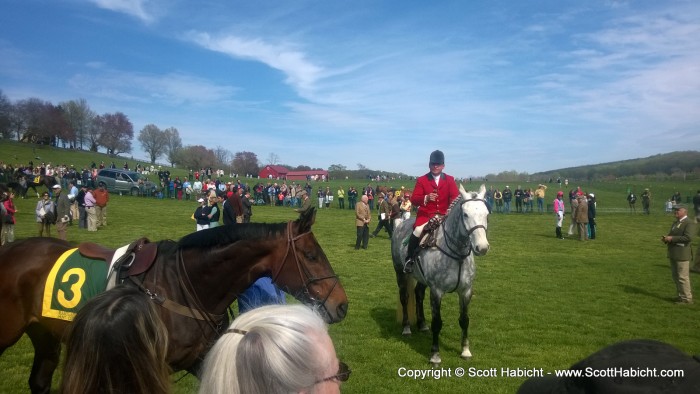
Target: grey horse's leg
(464, 300)
(420, 312)
(402, 282)
(435, 326)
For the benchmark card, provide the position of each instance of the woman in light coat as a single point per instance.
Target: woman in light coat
(45, 214)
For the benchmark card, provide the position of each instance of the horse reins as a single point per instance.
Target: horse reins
(456, 255)
(196, 312)
(304, 274)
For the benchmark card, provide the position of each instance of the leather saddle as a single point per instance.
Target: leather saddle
(428, 238)
(137, 259)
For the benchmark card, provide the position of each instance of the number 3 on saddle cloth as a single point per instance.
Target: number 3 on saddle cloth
(76, 278)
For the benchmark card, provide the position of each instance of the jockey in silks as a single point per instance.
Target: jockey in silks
(432, 194)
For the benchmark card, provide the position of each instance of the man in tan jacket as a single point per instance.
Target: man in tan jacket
(581, 217)
(362, 219)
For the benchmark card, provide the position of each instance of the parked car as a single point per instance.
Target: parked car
(123, 181)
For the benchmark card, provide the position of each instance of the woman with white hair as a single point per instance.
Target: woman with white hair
(274, 349)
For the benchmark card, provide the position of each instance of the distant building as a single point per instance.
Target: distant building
(274, 172)
(316, 175)
(280, 172)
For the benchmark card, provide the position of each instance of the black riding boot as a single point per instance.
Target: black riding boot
(559, 233)
(412, 245)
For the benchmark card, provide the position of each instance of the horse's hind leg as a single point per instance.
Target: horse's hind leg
(435, 326)
(47, 351)
(420, 312)
(464, 300)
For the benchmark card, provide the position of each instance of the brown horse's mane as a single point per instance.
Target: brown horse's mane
(228, 234)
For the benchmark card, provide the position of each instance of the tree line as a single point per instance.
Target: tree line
(73, 124)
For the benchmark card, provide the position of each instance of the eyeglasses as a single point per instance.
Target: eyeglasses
(342, 376)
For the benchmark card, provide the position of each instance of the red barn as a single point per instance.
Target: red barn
(274, 172)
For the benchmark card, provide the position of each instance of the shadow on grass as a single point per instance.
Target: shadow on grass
(644, 292)
(419, 341)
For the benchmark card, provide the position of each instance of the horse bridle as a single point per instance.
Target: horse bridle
(198, 312)
(304, 274)
(454, 251)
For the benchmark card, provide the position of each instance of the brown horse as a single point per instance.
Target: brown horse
(24, 182)
(202, 275)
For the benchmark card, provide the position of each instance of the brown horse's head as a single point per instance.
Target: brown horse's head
(306, 273)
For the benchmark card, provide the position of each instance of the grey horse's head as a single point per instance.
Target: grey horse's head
(475, 216)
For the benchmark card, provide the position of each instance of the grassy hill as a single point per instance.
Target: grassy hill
(17, 153)
(675, 165)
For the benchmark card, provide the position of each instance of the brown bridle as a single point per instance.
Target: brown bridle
(304, 274)
(197, 312)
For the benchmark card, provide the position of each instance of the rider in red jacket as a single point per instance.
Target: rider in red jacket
(432, 194)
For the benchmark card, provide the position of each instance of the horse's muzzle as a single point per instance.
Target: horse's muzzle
(481, 249)
(332, 314)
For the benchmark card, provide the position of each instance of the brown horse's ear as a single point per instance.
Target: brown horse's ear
(306, 220)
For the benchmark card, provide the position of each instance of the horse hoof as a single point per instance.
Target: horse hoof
(435, 359)
(424, 328)
(406, 331)
(466, 354)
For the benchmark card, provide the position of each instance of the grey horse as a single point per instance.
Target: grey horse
(446, 267)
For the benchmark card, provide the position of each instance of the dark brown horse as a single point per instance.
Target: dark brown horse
(202, 274)
(24, 182)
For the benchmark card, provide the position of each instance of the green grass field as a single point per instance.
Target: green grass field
(539, 302)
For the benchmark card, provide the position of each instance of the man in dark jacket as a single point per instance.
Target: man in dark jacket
(247, 207)
(591, 216)
(680, 252)
(384, 216)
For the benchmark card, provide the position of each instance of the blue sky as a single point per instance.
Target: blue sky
(497, 85)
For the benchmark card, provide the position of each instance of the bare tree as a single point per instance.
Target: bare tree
(79, 117)
(18, 123)
(39, 121)
(92, 137)
(28, 118)
(116, 133)
(55, 125)
(153, 141)
(273, 159)
(173, 145)
(246, 163)
(223, 156)
(5, 116)
(337, 167)
(196, 157)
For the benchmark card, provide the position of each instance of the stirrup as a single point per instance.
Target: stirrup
(408, 266)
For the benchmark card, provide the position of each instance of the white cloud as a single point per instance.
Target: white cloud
(301, 73)
(171, 89)
(135, 8)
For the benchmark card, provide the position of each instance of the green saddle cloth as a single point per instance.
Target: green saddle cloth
(73, 280)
